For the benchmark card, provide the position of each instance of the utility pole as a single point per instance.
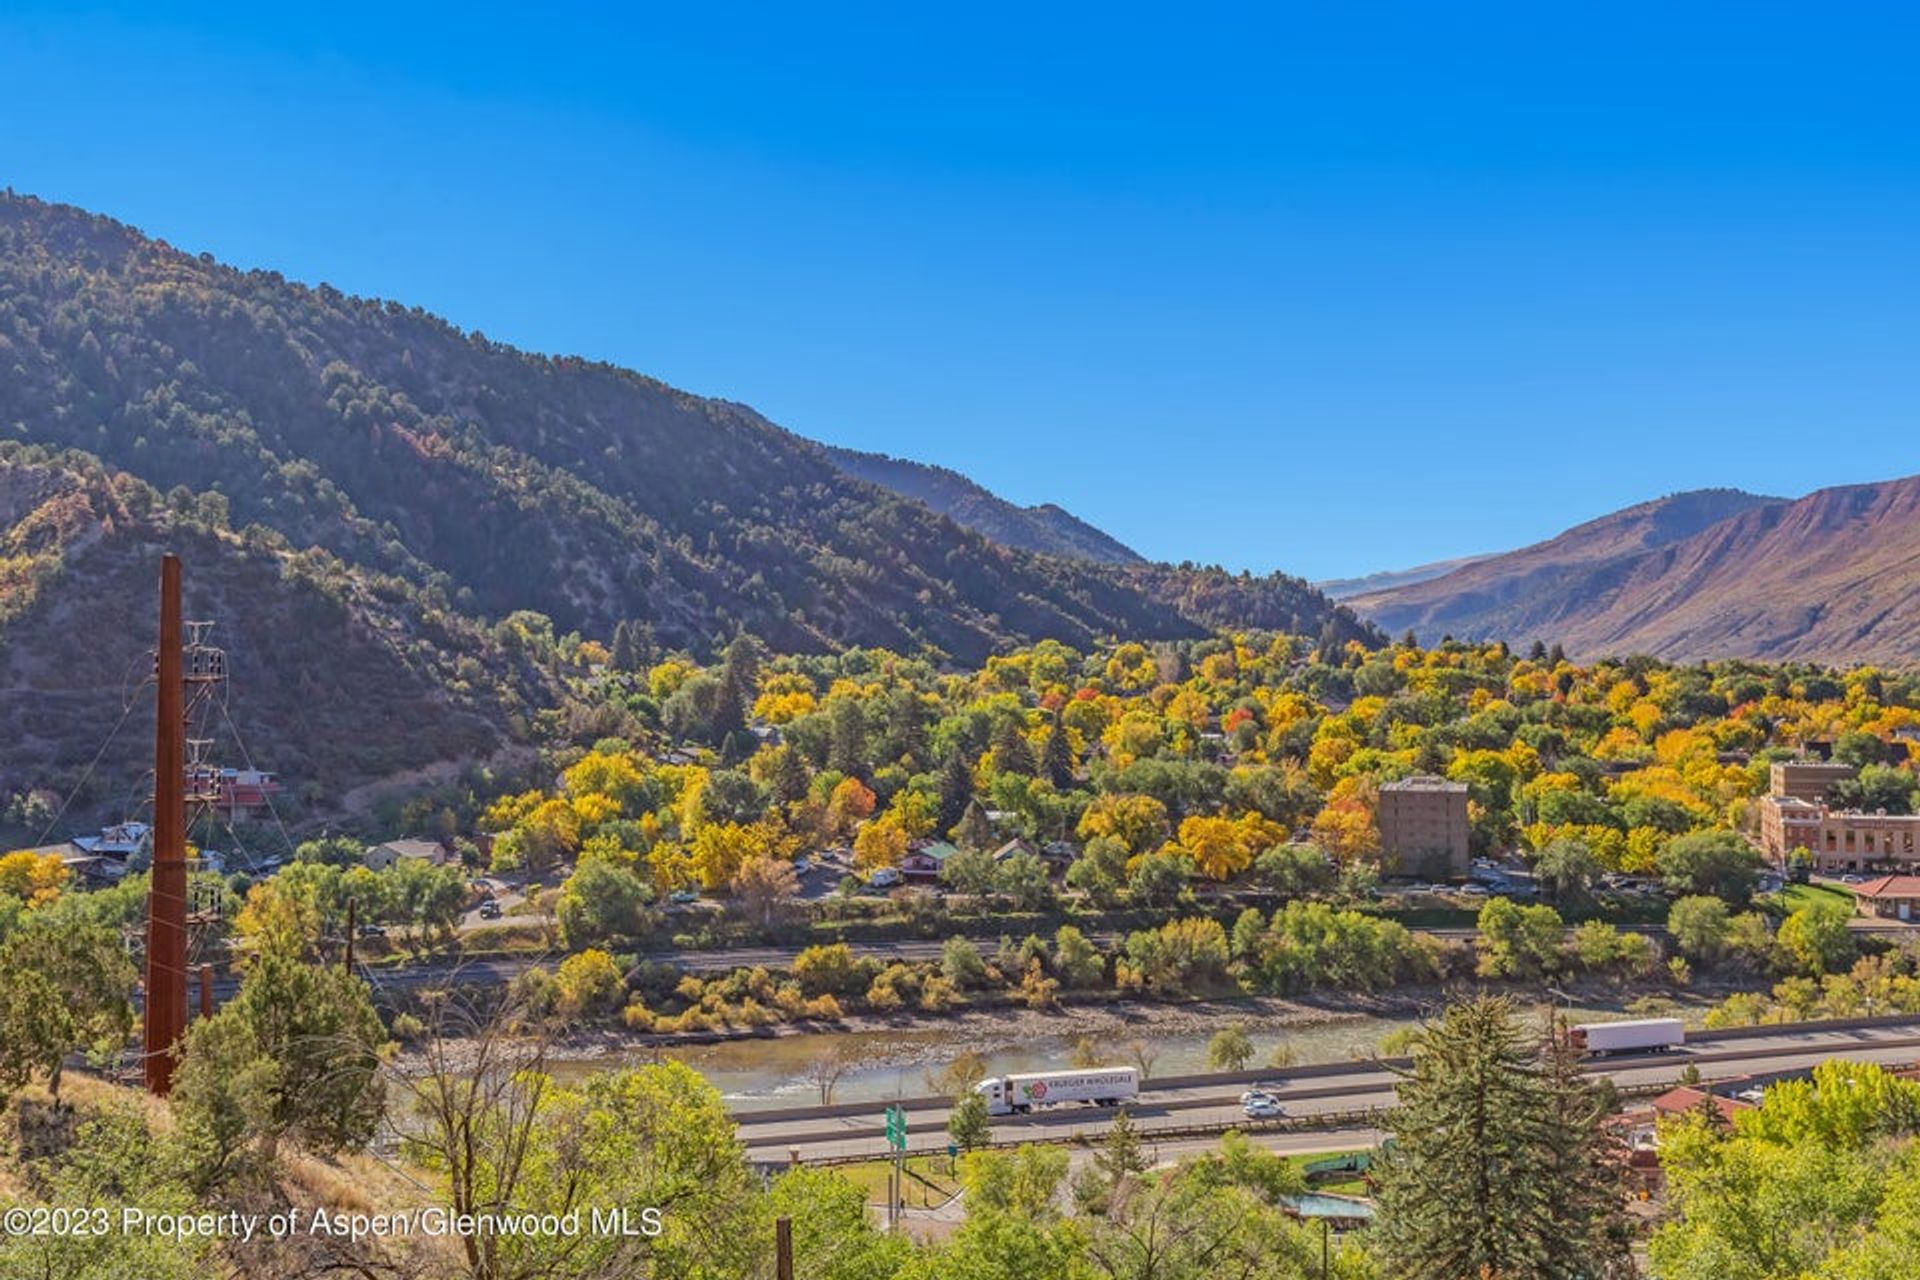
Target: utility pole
(783, 1249)
(352, 903)
(166, 995)
(206, 991)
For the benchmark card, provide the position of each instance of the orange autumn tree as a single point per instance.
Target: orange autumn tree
(1345, 827)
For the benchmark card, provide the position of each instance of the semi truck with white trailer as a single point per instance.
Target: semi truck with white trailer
(1099, 1086)
(1640, 1035)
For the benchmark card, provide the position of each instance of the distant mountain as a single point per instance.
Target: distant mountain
(1831, 577)
(1047, 529)
(503, 481)
(1388, 579)
(1517, 593)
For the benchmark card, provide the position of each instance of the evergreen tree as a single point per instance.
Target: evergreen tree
(847, 739)
(1057, 755)
(788, 779)
(1499, 1167)
(1585, 1176)
(739, 680)
(956, 788)
(974, 830)
(633, 647)
(970, 1126)
(1012, 753)
(906, 738)
(1121, 1156)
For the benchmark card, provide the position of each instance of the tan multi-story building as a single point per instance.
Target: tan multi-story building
(1423, 827)
(1809, 780)
(1839, 840)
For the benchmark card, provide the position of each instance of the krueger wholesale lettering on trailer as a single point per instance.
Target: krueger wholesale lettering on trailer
(1100, 1086)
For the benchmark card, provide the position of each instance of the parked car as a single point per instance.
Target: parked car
(801, 865)
(373, 931)
(490, 909)
(886, 878)
(1472, 891)
(684, 896)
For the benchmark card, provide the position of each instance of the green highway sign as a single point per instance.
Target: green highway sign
(897, 1128)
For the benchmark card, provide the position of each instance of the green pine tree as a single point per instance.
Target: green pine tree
(1057, 755)
(1012, 753)
(974, 831)
(1122, 1155)
(1499, 1166)
(970, 1126)
(956, 787)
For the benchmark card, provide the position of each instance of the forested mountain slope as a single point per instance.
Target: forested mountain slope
(511, 481)
(1045, 528)
(339, 677)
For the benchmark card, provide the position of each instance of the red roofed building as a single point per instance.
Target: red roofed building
(1890, 897)
(1683, 1099)
(1639, 1129)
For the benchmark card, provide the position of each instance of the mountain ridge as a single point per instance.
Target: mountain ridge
(1382, 580)
(1045, 528)
(1833, 576)
(510, 481)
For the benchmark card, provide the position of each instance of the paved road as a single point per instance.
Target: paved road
(1364, 1086)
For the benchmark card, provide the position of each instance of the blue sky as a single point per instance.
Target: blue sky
(1324, 288)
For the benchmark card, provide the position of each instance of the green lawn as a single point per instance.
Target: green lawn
(1796, 896)
(1347, 1186)
(871, 1177)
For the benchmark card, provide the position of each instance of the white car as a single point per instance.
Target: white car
(1260, 1106)
(885, 878)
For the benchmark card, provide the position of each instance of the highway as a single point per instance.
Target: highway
(1345, 1091)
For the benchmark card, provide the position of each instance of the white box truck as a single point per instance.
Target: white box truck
(1641, 1035)
(1101, 1086)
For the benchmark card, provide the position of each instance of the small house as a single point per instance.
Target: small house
(384, 856)
(1889, 897)
(1014, 846)
(925, 861)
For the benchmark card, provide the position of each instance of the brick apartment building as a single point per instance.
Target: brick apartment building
(1423, 827)
(1798, 815)
(1809, 780)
